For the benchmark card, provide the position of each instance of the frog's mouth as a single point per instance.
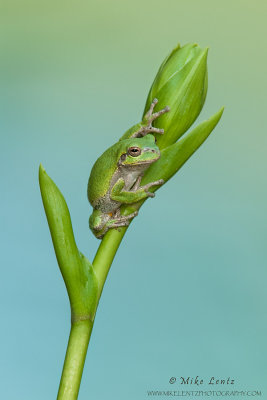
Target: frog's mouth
(135, 164)
(144, 162)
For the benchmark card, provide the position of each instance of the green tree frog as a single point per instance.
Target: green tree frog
(116, 175)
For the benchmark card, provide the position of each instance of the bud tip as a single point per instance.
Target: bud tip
(41, 168)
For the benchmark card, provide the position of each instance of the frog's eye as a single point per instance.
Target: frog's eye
(134, 151)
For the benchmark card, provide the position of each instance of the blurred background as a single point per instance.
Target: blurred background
(186, 294)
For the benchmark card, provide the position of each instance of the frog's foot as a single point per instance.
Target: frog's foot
(121, 220)
(151, 184)
(108, 221)
(118, 224)
(149, 118)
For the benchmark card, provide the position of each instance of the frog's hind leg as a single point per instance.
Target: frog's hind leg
(121, 220)
(118, 224)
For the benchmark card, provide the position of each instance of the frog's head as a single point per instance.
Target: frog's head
(139, 151)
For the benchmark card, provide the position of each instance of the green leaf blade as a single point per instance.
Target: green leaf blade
(76, 270)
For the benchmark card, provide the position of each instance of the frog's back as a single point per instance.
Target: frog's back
(101, 174)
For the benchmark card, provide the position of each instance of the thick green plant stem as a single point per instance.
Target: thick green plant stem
(74, 361)
(81, 330)
(105, 255)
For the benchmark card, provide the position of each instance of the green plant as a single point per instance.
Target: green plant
(180, 83)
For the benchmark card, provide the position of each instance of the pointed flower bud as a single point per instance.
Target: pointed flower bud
(181, 83)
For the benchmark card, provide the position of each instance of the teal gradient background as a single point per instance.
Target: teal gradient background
(186, 294)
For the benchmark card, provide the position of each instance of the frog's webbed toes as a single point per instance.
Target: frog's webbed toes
(127, 217)
(123, 220)
(151, 108)
(156, 130)
(155, 183)
(149, 118)
(118, 224)
(159, 182)
(151, 184)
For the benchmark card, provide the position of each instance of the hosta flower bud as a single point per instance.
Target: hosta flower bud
(181, 84)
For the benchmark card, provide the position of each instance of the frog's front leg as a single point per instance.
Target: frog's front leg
(137, 183)
(151, 184)
(132, 196)
(149, 118)
(147, 186)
